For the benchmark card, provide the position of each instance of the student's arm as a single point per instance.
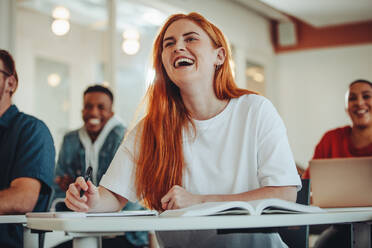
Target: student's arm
(20, 197)
(178, 197)
(63, 176)
(95, 199)
(31, 170)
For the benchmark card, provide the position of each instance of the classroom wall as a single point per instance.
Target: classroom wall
(311, 89)
(34, 39)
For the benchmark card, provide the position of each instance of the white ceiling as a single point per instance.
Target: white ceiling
(140, 12)
(324, 12)
(93, 13)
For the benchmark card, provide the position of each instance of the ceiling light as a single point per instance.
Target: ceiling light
(131, 34)
(130, 47)
(60, 27)
(61, 12)
(154, 17)
(54, 80)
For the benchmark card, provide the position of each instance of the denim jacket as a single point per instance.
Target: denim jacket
(71, 161)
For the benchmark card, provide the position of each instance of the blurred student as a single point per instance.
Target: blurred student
(354, 140)
(94, 144)
(26, 157)
(347, 141)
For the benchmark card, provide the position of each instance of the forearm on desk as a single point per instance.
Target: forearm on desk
(108, 201)
(288, 193)
(20, 197)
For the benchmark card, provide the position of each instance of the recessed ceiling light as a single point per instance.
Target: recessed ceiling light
(61, 12)
(54, 80)
(60, 27)
(130, 47)
(131, 34)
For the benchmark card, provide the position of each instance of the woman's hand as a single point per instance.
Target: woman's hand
(85, 203)
(178, 197)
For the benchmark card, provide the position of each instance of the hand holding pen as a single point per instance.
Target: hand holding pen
(82, 195)
(88, 176)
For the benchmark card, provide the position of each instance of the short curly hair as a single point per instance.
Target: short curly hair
(100, 88)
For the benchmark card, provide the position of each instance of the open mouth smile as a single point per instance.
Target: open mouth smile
(179, 62)
(360, 112)
(94, 121)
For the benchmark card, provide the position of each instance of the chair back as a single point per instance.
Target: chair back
(45, 201)
(298, 236)
(303, 196)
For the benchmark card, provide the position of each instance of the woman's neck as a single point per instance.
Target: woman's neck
(361, 137)
(203, 106)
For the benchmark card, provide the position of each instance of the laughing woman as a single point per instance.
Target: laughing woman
(202, 139)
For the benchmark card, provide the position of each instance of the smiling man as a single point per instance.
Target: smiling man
(26, 157)
(94, 144)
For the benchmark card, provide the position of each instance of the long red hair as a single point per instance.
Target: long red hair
(160, 161)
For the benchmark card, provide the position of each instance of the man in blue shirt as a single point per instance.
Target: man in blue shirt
(26, 158)
(95, 145)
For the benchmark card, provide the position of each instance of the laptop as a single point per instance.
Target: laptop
(341, 182)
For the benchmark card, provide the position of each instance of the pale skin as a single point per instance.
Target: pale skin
(22, 195)
(183, 39)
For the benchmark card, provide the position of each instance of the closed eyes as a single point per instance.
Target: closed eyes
(189, 37)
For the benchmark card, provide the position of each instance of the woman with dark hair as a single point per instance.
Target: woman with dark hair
(354, 140)
(347, 141)
(202, 139)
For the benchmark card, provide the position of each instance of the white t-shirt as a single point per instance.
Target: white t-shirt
(243, 148)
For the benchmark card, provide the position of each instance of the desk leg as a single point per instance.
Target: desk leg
(30, 240)
(87, 242)
(361, 237)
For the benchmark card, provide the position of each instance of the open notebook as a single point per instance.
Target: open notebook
(257, 207)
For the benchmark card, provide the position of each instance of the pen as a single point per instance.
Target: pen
(88, 176)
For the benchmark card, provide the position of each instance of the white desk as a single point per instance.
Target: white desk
(28, 237)
(13, 219)
(92, 226)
